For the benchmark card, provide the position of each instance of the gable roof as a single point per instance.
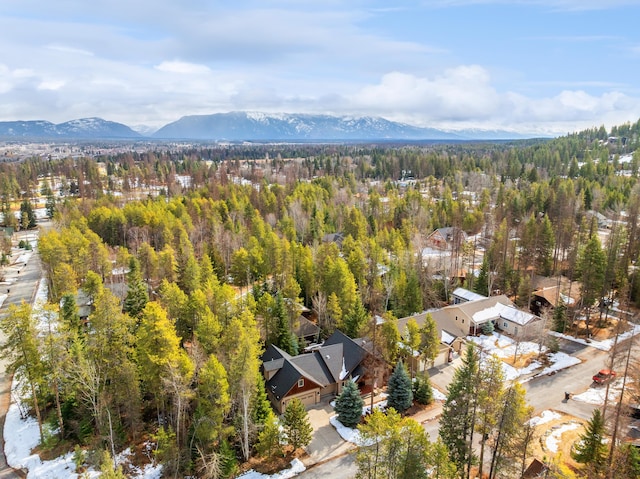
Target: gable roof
(338, 358)
(466, 294)
(353, 353)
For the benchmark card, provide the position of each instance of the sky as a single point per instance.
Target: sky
(530, 66)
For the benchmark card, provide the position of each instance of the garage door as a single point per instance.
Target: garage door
(308, 399)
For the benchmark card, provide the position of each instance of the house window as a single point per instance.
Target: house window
(301, 383)
(462, 320)
(505, 324)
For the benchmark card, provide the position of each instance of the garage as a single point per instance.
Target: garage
(308, 399)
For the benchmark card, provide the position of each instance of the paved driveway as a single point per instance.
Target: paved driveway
(327, 443)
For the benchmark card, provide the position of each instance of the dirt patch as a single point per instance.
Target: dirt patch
(522, 361)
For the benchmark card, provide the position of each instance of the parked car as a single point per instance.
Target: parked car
(604, 376)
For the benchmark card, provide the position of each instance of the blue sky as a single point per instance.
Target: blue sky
(533, 66)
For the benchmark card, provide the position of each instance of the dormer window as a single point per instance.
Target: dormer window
(301, 382)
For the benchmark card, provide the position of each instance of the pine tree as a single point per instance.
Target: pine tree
(137, 295)
(353, 321)
(349, 405)
(295, 422)
(260, 405)
(400, 395)
(429, 339)
(560, 317)
(591, 449)
(422, 390)
(69, 313)
(269, 439)
(456, 421)
(481, 285)
(284, 337)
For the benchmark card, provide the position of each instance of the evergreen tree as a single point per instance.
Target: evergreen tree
(270, 438)
(260, 406)
(422, 390)
(429, 339)
(591, 265)
(349, 405)
(137, 295)
(27, 216)
(457, 421)
(69, 313)
(591, 449)
(295, 422)
(399, 390)
(212, 399)
(353, 322)
(560, 317)
(481, 284)
(284, 337)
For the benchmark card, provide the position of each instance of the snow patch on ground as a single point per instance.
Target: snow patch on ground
(437, 395)
(296, 468)
(347, 433)
(544, 417)
(505, 347)
(604, 345)
(596, 395)
(559, 361)
(555, 437)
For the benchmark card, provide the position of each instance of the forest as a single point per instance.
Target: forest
(192, 261)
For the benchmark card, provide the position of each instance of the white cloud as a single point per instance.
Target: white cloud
(183, 68)
(51, 84)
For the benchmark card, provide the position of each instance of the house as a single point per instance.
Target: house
(467, 319)
(306, 330)
(549, 292)
(462, 295)
(336, 238)
(537, 468)
(448, 238)
(449, 343)
(313, 376)
(602, 221)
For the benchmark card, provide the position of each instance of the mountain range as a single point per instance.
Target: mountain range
(246, 126)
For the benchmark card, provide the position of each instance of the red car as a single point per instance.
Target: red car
(604, 376)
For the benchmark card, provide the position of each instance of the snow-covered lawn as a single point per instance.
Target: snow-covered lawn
(504, 347)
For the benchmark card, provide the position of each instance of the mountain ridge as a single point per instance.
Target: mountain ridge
(92, 128)
(249, 126)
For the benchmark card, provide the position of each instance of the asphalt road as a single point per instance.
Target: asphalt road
(24, 282)
(546, 392)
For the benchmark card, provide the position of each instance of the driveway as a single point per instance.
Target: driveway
(327, 443)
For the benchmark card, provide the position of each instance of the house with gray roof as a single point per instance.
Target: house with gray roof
(462, 295)
(313, 376)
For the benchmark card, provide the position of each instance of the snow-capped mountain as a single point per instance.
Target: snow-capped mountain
(85, 128)
(237, 126)
(247, 126)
